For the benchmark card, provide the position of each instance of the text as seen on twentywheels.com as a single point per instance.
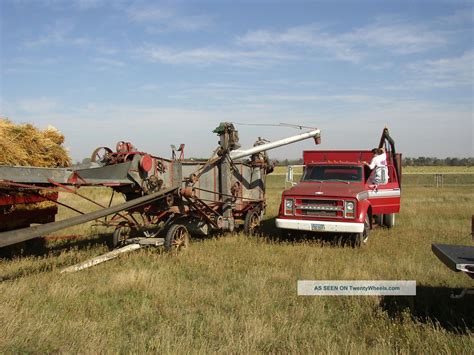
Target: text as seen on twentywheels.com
(356, 288)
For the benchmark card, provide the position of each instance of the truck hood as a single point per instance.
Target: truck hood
(330, 189)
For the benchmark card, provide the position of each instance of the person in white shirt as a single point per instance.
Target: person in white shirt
(379, 164)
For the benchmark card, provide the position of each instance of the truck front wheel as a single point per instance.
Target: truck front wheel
(362, 238)
(285, 234)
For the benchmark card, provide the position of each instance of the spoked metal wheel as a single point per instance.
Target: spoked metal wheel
(120, 235)
(252, 223)
(177, 238)
(101, 155)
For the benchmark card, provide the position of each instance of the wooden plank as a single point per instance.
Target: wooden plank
(102, 258)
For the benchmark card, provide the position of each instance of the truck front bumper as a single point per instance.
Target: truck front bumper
(320, 226)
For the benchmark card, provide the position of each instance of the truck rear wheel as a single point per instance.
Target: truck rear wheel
(389, 220)
(176, 238)
(378, 219)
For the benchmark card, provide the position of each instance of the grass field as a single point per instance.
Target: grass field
(234, 293)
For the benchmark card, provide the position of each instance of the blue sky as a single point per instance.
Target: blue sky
(161, 73)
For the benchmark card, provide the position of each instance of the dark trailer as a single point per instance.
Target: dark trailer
(459, 258)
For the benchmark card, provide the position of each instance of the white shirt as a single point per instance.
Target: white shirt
(379, 163)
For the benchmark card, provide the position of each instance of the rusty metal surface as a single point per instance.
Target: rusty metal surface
(25, 174)
(19, 235)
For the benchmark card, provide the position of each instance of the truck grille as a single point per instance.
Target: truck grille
(319, 213)
(319, 202)
(319, 208)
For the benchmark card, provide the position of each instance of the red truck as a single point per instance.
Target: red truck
(337, 194)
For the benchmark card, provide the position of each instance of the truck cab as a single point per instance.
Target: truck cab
(337, 194)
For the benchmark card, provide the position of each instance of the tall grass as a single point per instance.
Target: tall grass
(233, 293)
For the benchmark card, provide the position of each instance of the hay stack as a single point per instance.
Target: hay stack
(28, 146)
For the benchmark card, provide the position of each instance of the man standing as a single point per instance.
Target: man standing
(379, 164)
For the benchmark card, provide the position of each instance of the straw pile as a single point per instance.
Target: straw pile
(26, 145)
(48, 195)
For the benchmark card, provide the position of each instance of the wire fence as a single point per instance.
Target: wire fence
(438, 179)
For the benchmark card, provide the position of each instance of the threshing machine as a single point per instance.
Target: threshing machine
(166, 199)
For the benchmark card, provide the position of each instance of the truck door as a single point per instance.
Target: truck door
(385, 198)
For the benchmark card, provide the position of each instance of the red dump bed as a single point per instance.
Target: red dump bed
(333, 156)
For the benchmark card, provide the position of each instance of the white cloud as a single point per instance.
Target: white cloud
(149, 87)
(460, 16)
(88, 4)
(39, 105)
(162, 19)
(26, 61)
(106, 62)
(303, 36)
(63, 33)
(398, 36)
(350, 98)
(386, 34)
(209, 55)
(149, 14)
(56, 33)
(444, 72)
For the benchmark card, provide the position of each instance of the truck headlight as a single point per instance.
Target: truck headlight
(289, 205)
(349, 211)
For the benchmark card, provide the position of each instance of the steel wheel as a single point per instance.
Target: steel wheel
(252, 223)
(120, 235)
(177, 237)
(101, 155)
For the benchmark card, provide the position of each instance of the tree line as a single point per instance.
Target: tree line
(431, 161)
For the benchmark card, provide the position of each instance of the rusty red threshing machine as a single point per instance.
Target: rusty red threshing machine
(166, 200)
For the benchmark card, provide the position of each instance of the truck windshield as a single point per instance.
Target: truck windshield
(346, 173)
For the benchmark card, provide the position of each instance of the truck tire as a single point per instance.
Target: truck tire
(389, 220)
(361, 239)
(286, 234)
(176, 238)
(252, 223)
(378, 218)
